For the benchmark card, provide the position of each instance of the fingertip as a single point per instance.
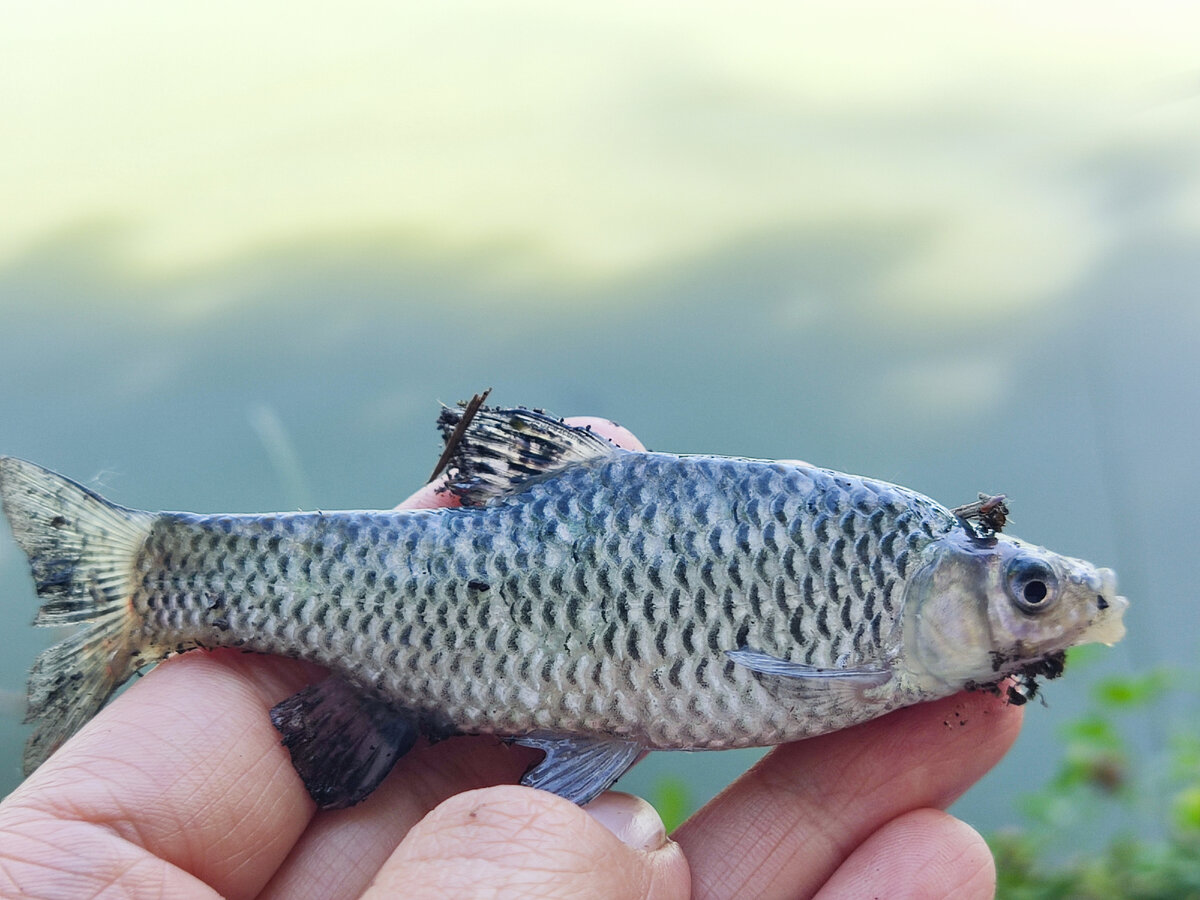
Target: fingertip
(606, 428)
(632, 820)
(512, 841)
(922, 853)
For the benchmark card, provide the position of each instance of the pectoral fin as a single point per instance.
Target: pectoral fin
(343, 743)
(812, 682)
(578, 768)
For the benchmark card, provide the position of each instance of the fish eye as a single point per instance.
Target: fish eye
(1032, 584)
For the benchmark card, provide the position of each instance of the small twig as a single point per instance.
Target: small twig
(990, 509)
(460, 429)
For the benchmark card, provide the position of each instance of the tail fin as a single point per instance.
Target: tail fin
(81, 551)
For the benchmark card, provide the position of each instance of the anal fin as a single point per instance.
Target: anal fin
(343, 743)
(579, 768)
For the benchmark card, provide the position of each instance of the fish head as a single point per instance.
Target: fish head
(981, 609)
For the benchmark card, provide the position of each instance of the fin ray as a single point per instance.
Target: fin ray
(500, 449)
(81, 551)
(813, 684)
(342, 742)
(579, 769)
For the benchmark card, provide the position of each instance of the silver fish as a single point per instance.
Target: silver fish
(586, 600)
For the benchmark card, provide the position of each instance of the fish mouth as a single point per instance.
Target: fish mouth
(1109, 627)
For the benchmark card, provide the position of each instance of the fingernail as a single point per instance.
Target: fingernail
(634, 821)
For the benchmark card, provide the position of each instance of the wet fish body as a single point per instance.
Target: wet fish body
(586, 600)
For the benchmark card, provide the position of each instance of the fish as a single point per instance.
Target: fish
(586, 600)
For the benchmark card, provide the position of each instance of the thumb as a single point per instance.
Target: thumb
(519, 842)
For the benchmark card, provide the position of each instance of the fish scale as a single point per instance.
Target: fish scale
(585, 600)
(599, 602)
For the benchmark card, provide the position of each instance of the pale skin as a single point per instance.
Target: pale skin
(180, 788)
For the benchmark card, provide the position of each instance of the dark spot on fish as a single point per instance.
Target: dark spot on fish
(673, 673)
(688, 630)
(743, 633)
(809, 590)
(673, 607)
(681, 574)
(735, 574)
(742, 538)
(221, 623)
(847, 522)
(58, 522)
(660, 640)
(838, 552)
(631, 645)
(770, 537)
(573, 603)
(629, 578)
(610, 634)
(823, 621)
(869, 605)
(796, 626)
(814, 560)
(887, 545)
(476, 585)
(753, 596)
(862, 550)
(655, 577)
(821, 529)
(1101, 603)
(713, 639)
(789, 563)
(780, 592)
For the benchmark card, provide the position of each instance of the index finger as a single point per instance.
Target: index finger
(787, 824)
(179, 788)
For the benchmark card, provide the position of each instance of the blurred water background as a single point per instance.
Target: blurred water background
(244, 251)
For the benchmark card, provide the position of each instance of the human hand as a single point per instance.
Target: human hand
(181, 788)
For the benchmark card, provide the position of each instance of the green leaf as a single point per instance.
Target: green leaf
(1131, 690)
(673, 800)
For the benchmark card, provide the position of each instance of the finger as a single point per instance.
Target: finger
(185, 767)
(618, 434)
(341, 851)
(518, 842)
(924, 853)
(787, 824)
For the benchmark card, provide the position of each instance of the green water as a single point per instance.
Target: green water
(310, 379)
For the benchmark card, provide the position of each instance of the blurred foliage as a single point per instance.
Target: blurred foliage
(673, 800)
(1104, 782)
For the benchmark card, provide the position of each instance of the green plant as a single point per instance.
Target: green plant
(1154, 851)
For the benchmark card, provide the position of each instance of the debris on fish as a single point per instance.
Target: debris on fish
(586, 600)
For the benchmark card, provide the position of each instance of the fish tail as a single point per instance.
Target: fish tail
(82, 551)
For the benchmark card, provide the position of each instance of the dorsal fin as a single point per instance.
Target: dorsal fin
(500, 449)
